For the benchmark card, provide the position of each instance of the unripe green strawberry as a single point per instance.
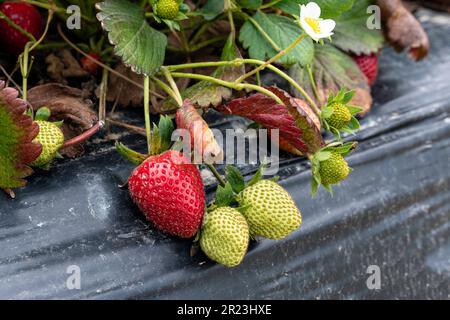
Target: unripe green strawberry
(51, 138)
(168, 9)
(340, 117)
(334, 169)
(225, 236)
(269, 209)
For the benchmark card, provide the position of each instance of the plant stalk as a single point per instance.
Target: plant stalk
(148, 125)
(216, 175)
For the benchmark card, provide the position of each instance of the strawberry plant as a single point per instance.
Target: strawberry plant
(182, 58)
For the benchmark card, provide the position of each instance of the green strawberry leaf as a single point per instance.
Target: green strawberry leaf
(235, 178)
(282, 32)
(17, 133)
(212, 9)
(330, 8)
(139, 45)
(352, 33)
(225, 196)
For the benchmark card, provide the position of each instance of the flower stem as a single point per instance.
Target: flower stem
(269, 5)
(148, 128)
(272, 60)
(231, 85)
(173, 85)
(239, 62)
(313, 82)
(24, 58)
(216, 175)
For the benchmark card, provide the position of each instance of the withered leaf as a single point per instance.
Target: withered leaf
(63, 65)
(403, 30)
(202, 140)
(69, 105)
(125, 92)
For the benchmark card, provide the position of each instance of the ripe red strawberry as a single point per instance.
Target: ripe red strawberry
(369, 66)
(23, 15)
(168, 189)
(89, 65)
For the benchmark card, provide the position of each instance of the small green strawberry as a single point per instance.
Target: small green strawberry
(168, 9)
(329, 166)
(225, 236)
(269, 209)
(338, 116)
(50, 137)
(333, 170)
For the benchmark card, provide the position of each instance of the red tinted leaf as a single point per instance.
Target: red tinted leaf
(299, 128)
(17, 133)
(202, 139)
(305, 119)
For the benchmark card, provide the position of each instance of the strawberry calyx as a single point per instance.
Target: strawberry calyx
(338, 115)
(161, 142)
(329, 166)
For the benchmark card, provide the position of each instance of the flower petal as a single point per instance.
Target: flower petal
(302, 12)
(312, 10)
(309, 31)
(327, 26)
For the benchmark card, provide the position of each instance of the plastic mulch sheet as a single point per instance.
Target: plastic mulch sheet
(393, 212)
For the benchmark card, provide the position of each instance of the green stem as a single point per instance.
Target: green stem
(232, 63)
(268, 5)
(173, 85)
(24, 58)
(232, 85)
(166, 88)
(17, 27)
(206, 43)
(54, 8)
(216, 175)
(231, 20)
(313, 82)
(148, 128)
(239, 62)
(271, 60)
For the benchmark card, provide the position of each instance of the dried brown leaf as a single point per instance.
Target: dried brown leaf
(403, 30)
(69, 105)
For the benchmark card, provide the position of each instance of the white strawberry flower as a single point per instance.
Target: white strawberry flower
(313, 25)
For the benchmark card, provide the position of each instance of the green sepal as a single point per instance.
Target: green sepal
(162, 135)
(343, 97)
(58, 123)
(258, 175)
(235, 178)
(130, 155)
(225, 195)
(324, 154)
(42, 114)
(58, 155)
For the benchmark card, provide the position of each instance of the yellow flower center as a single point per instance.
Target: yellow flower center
(314, 24)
